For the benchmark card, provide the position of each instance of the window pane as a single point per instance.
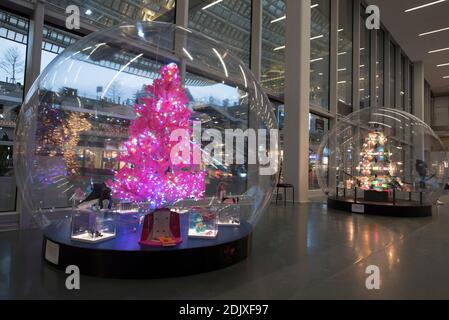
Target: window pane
(365, 63)
(392, 75)
(318, 127)
(209, 99)
(380, 68)
(228, 21)
(13, 47)
(279, 111)
(320, 48)
(345, 44)
(273, 46)
(54, 42)
(109, 13)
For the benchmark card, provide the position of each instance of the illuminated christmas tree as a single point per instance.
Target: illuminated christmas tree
(376, 170)
(148, 173)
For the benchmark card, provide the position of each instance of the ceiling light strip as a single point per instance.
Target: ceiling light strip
(212, 4)
(439, 50)
(432, 32)
(425, 5)
(285, 16)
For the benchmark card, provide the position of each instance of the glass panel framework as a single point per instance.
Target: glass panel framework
(365, 62)
(228, 21)
(13, 51)
(318, 127)
(164, 10)
(320, 54)
(345, 61)
(273, 47)
(380, 63)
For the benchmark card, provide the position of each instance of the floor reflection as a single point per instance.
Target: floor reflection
(300, 252)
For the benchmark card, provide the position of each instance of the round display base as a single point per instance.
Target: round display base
(402, 208)
(123, 257)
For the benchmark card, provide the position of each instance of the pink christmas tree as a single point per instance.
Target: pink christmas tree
(149, 174)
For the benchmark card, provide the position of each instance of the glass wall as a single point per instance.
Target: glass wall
(228, 21)
(279, 111)
(380, 68)
(365, 63)
(13, 48)
(273, 46)
(392, 75)
(345, 49)
(320, 49)
(318, 127)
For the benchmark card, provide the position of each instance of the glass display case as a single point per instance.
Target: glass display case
(93, 227)
(203, 223)
(229, 215)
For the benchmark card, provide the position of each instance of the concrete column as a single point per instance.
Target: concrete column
(297, 92)
(34, 49)
(182, 13)
(256, 38)
(419, 90)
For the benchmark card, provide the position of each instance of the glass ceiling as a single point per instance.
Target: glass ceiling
(106, 13)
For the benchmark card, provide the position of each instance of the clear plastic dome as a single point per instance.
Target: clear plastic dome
(95, 131)
(383, 153)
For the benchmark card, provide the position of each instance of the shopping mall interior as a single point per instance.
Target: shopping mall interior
(348, 101)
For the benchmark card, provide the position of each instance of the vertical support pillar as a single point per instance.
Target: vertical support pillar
(398, 79)
(256, 38)
(356, 57)
(33, 68)
(419, 90)
(387, 71)
(407, 88)
(182, 13)
(334, 60)
(356, 74)
(333, 102)
(182, 20)
(297, 93)
(255, 66)
(419, 95)
(373, 75)
(34, 49)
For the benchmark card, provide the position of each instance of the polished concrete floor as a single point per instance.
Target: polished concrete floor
(301, 252)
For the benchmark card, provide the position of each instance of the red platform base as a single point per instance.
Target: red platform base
(161, 229)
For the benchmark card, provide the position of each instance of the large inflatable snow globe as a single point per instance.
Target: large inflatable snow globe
(147, 138)
(383, 161)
